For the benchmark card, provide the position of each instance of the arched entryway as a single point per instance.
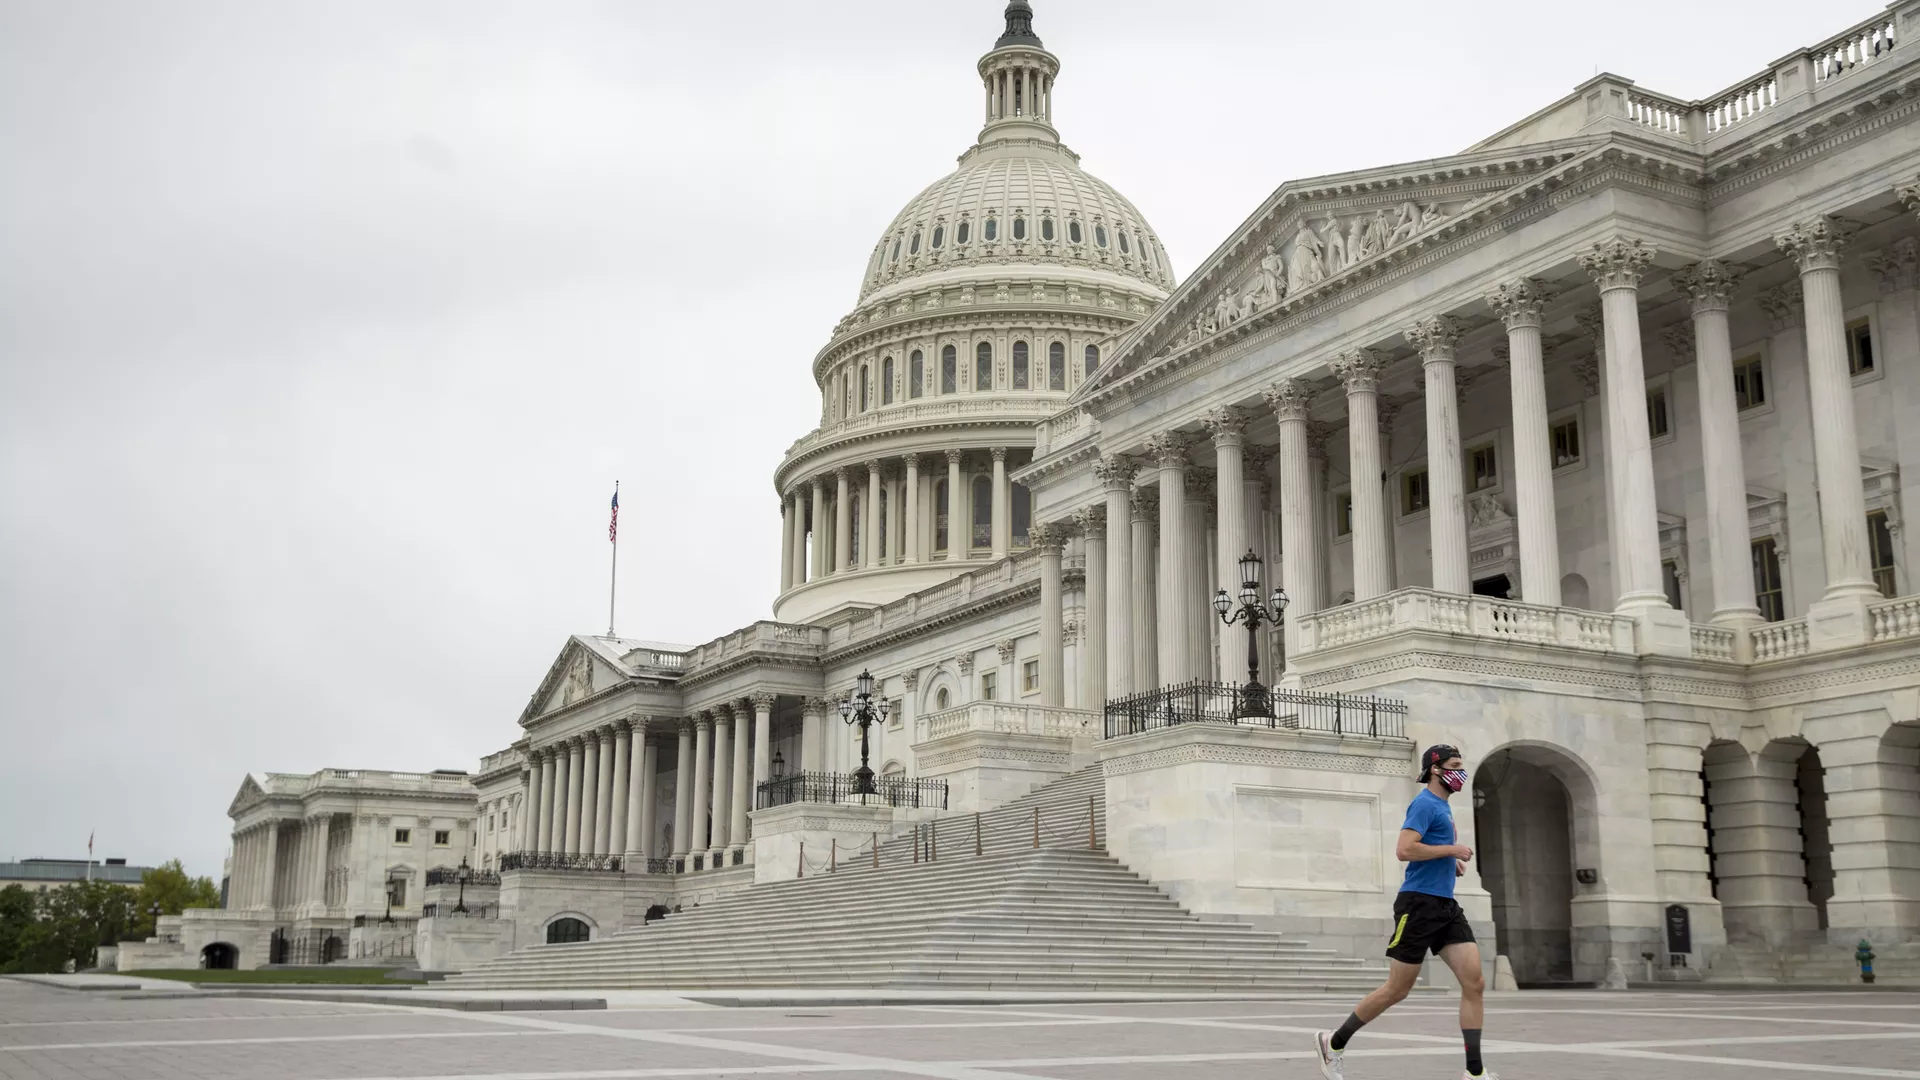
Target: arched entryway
(220, 956)
(1535, 827)
(332, 949)
(567, 930)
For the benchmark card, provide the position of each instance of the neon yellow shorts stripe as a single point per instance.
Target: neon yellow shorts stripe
(1398, 930)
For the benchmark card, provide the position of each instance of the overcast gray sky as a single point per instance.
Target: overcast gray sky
(326, 328)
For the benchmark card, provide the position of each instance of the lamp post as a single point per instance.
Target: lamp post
(463, 875)
(779, 765)
(155, 911)
(859, 709)
(1254, 699)
(388, 917)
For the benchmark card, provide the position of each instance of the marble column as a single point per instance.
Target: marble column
(1723, 468)
(699, 835)
(819, 529)
(1169, 451)
(1002, 505)
(762, 744)
(319, 833)
(1008, 690)
(1320, 540)
(1386, 408)
(1116, 478)
(1519, 305)
(645, 846)
(1091, 521)
(722, 780)
(536, 793)
(1142, 590)
(1616, 267)
(1195, 570)
(619, 801)
(683, 799)
(1815, 245)
(1253, 501)
(914, 541)
(842, 523)
(545, 834)
(576, 760)
(740, 791)
(959, 525)
(1446, 490)
(1289, 399)
(605, 801)
(590, 792)
(1229, 428)
(633, 829)
(1359, 370)
(1049, 541)
(786, 544)
(870, 553)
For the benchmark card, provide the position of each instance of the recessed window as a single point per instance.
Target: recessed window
(1146, 250)
(567, 932)
(949, 370)
(1030, 675)
(982, 512)
(1766, 580)
(886, 381)
(504, 814)
(991, 230)
(863, 388)
(1413, 491)
(1073, 232)
(1343, 514)
(1022, 507)
(1485, 463)
(403, 836)
(940, 515)
(896, 252)
(1670, 580)
(939, 237)
(1749, 383)
(986, 685)
(1564, 439)
(916, 372)
(1019, 228)
(1860, 346)
(1019, 365)
(962, 234)
(983, 367)
(1124, 248)
(1057, 366)
(1100, 236)
(1093, 359)
(913, 245)
(1046, 229)
(941, 699)
(489, 822)
(1658, 423)
(1880, 553)
(442, 837)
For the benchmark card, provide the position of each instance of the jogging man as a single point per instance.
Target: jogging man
(1425, 917)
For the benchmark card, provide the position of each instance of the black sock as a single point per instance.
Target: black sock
(1353, 1024)
(1472, 1035)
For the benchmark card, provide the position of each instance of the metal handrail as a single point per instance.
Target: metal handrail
(1231, 703)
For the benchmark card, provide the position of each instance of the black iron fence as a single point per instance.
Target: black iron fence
(397, 923)
(300, 947)
(450, 875)
(1256, 706)
(448, 911)
(664, 866)
(559, 860)
(828, 787)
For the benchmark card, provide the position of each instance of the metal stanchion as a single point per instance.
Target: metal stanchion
(801, 870)
(977, 848)
(1093, 837)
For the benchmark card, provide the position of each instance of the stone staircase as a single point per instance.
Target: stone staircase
(1062, 916)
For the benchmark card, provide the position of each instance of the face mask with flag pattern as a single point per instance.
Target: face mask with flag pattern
(1455, 779)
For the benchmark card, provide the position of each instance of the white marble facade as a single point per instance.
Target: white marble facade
(1591, 443)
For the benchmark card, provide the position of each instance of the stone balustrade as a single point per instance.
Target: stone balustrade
(1895, 619)
(1005, 718)
(1471, 616)
(1780, 640)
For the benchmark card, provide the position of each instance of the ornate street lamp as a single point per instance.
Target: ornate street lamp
(859, 709)
(155, 911)
(779, 765)
(463, 875)
(1254, 699)
(391, 880)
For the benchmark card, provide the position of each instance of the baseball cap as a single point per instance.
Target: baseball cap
(1434, 756)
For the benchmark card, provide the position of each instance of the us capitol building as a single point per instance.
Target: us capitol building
(1584, 449)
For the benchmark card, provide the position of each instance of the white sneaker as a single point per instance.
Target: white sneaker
(1488, 1075)
(1330, 1066)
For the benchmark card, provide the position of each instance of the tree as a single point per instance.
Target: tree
(17, 914)
(169, 886)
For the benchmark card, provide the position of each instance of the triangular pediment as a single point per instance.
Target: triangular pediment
(250, 795)
(579, 672)
(1314, 239)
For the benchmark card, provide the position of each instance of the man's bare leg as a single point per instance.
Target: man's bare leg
(1464, 959)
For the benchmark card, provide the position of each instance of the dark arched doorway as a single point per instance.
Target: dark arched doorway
(332, 949)
(219, 956)
(567, 931)
(1532, 833)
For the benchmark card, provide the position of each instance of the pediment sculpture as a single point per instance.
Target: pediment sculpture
(1485, 514)
(579, 679)
(1317, 254)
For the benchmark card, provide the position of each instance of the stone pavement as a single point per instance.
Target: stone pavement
(48, 1033)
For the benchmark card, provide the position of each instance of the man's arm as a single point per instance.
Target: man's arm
(1410, 849)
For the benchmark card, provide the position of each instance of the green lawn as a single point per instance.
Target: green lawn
(322, 976)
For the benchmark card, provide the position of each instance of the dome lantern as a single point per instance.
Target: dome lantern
(1018, 77)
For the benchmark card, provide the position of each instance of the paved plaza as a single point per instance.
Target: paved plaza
(48, 1033)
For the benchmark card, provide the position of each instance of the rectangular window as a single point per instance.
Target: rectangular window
(1670, 579)
(983, 367)
(1564, 437)
(1749, 383)
(397, 892)
(489, 822)
(1880, 553)
(1030, 674)
(503, 819)
(403, 836)
(442, 837)
(940, 516)
(986, 685)
(1766, 580)
(1486, 466)
(1859, 346)
(1343, 515)
(916, 374)
(949, 371)
(1413, 491)
(1657, 422)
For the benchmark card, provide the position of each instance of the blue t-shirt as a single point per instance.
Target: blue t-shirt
(1431, 817)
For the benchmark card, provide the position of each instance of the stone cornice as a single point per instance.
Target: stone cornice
(923, 625)
(1013, 428)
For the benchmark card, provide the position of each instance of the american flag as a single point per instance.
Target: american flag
(613, 523)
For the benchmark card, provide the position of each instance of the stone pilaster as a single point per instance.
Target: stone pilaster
(1002, 505)
(1446, 491)
(1519, 305)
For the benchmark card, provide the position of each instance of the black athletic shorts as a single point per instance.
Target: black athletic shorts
(1423, 923)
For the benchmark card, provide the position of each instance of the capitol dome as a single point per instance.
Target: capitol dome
(995, 293)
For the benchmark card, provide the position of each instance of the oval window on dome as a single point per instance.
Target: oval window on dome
(913, 245)
(896, 252)
(1046, 228)
(939, 236)
(960, 234)
(1073, 231)
(991, 230)
(1124, 249)
(1100, 235)
(1019, 228)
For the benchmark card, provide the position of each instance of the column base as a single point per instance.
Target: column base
(1658, 630)
(1839, 621)
(1741, 621)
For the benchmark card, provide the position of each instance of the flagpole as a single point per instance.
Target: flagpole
(613, 577)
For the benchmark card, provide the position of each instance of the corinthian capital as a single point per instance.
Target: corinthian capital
(1115, 472)
(1709, 281)
(1360, 370)
(1909, 196)
(1519, 303)
(1046, 538)
(1229, 426)
(1288, 399)
(1435, 337)
(1617, 263)
(1816, 243)
(1143, 504)
(1169, 449)
(1091, 521)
